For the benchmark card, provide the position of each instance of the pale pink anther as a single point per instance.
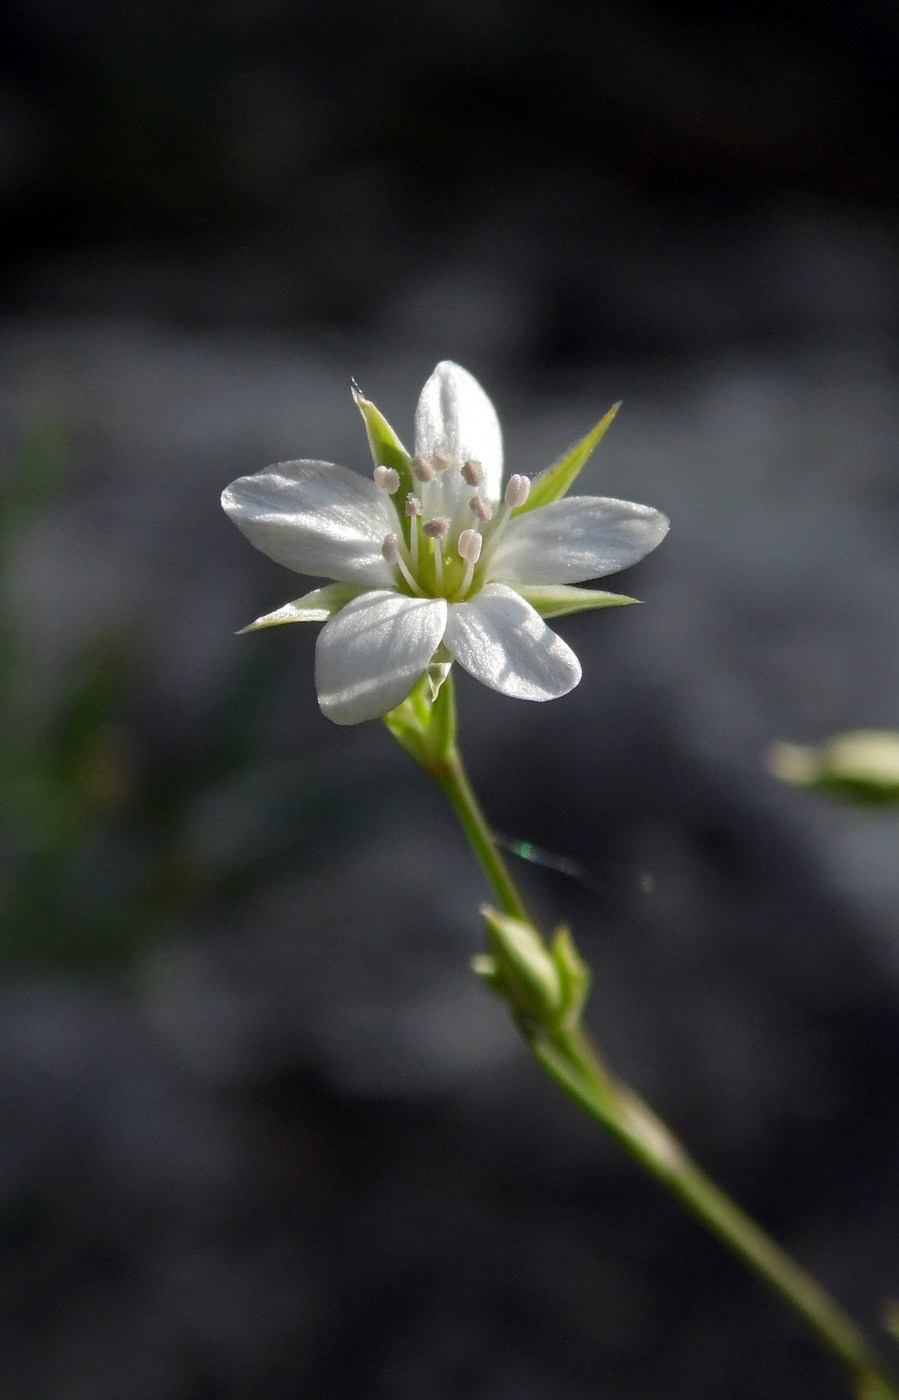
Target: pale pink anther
(387, 479)
(473, 472)
(518, 488)
(423, 468)
(469, 546)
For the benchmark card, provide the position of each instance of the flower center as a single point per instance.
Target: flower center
(443, 540)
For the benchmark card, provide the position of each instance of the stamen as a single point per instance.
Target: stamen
(391, 552)
(422, 468)
(441, 461)
(469, 546)
(481, 508)
(473, 472)
(413, 504)
(387, 479)
(437, 529)
(518, 488)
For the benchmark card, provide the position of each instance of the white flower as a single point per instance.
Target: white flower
(432, 560)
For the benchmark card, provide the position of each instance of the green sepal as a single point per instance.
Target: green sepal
(559, 599)
(553, 482)
(574, 972)
(386, 448)
(424, 724)
(316, 606)
(861, 766)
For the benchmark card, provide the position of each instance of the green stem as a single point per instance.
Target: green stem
(568, 1057)
(454, 781)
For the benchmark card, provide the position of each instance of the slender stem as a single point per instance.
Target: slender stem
(570, 1060)
(567, 1055)
(453, 780)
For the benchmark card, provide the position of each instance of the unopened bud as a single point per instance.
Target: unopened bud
(518, 488)
(521, 968)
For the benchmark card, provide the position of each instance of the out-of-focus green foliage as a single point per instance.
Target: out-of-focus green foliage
(861, 766)
(112, 833)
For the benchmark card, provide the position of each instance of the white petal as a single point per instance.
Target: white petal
(315, 518)
(454, 416)
(370, 655)
(504, 643)
(575, 539)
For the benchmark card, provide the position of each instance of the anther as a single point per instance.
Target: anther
(473, 472)
(441, 461)
(387, 479)
(469, 546)
(481, 508)
(422, 468)
(518, 488)
(436, 529)
(413, 504)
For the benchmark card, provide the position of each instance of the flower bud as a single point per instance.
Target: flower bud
(521, 969)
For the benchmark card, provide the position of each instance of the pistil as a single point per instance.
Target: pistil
(437, 531)
(413, 511)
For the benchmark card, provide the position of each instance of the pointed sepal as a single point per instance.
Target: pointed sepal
(425, 723)
(317, 606)
(386, 448)
(560, 599)
(574, 974)
(553, 482)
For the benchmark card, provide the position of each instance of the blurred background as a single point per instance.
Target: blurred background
(263, 1133)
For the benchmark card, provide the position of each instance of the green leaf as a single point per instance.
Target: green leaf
(557, 600)
(552, 483)
(861, 766)
(316, 606)
(386, 448)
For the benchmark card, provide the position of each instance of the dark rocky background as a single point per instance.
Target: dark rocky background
(261, 1132)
